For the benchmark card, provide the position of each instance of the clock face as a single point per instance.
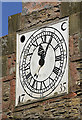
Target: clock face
(43, 62)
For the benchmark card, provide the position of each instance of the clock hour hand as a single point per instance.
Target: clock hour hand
(41, 51)
(41, 61)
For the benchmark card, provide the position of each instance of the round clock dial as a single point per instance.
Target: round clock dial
(43, 62)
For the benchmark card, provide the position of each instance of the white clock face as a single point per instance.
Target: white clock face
(43, 61)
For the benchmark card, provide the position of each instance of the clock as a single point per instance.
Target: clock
(43, 60)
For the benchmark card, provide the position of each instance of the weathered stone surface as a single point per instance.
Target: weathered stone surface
(38, 18)
(8, 44)
(75, 23)
(3, 71)
(29, 7)
(74, 76)
(6, 95)
(69, 8)
(8, 65)
(67, 108)
(75, 47)
(80, 43)
(14, 23)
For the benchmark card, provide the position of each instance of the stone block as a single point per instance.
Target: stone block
(80, 43)
(8, 44)
(74, 76)
(75, 47)
(14, 23)
(74, 23)
(29, 7)
(12, 91)
(7, 65)
(69, 8)
(6, 95)
(39, 18)
(3, 61)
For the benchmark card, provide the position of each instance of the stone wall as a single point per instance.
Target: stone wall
(56, 107)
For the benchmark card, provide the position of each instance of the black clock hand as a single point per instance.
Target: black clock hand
(37, 73)
(41, 53)
(50, 40)
(41, 61)
(40, 50)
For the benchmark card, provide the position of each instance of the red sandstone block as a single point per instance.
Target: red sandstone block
(74, 47)
(5, 105)
(32, 6)
(74, 76)
(11, 63)
(12, 89)
(9, 77)
(71, 46)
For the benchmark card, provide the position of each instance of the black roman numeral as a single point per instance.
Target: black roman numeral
(56, 47)
(44, 84)
(56, 70)
(29, 54)
(27, 76)
(41, 86)
(43, 38)
(34, 85)
(35, 44)
(59, 58)
(27, 66)
(51, 79)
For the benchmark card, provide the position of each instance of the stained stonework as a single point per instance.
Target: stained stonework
(57, 107)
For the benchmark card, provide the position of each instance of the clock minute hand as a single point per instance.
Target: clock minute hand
(48, 44)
